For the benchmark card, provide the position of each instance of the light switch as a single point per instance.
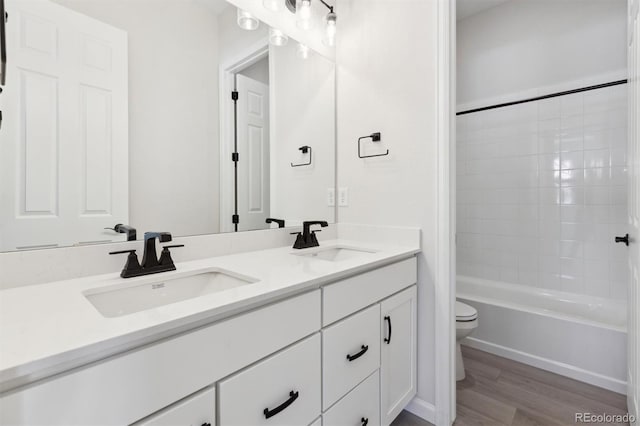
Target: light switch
(343, 197)
(331, 197)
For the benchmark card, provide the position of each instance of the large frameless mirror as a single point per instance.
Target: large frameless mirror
(158, 115)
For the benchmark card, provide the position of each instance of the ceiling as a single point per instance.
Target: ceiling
(466, 8)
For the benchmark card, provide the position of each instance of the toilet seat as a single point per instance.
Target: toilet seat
(465, 313)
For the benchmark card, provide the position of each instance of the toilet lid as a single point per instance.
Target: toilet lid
(465, 312)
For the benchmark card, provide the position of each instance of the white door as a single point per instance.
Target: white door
(398, 371)
(253, 149)
(633, 378)
(64, 136)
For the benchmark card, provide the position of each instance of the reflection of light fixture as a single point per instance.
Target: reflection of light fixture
(272, 5)
(277, 37)
(303, 14)
(247, 21)
(330, 29)
(303, 51)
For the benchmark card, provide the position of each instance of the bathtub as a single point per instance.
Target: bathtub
(577, 336)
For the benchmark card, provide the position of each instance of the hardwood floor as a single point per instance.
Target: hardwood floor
(498, 391)
(501, 392)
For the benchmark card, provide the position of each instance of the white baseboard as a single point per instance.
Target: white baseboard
(422, 409)
(557, 367)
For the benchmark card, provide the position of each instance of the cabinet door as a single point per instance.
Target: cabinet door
(398, 368)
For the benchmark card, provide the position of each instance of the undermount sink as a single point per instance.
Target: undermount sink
(335, 254)
(152, 292)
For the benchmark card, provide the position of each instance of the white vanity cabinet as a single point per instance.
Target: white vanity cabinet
(344, 354)
(398, 364)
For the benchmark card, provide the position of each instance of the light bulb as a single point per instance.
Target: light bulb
(303, 14)
(330, 29)
(247, 21)
(272, 5)
(277, 37)
(303, 51)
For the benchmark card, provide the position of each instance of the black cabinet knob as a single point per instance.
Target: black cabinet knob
(365, 421)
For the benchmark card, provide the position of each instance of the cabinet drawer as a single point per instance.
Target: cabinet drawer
(196, 410)
(360, 407)
(352, 294)
(284, 389)
(350, 353)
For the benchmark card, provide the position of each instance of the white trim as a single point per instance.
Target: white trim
(422, 409)
(246, 58)
(445, 272)
(561, 368)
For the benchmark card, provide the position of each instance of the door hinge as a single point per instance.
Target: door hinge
(234, 95)
(235, 219)
(235, 157)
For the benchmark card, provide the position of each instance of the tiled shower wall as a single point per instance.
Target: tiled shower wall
(542, 192)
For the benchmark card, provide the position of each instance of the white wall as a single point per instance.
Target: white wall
(302, 113)
(528, 44)
(542, 192)
(173, 111)
(386, 55)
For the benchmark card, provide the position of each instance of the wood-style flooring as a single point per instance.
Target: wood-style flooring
(501, 392)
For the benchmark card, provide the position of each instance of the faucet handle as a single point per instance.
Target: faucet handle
(132, 268)
(122, 251)
(165, 256)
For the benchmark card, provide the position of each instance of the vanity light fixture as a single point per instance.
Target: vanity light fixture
(302, 51)
(277, 37)
(272, 5)
(330, 28)
(303, 14)
(247, 21)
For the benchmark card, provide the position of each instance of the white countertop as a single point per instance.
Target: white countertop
(49, 328)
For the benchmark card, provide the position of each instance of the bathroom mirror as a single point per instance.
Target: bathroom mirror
(123, 112)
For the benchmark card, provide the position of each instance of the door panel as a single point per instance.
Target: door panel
(64, 141)
(633, 379)
(253, 149)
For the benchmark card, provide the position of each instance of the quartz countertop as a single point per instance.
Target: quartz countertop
(46, 329)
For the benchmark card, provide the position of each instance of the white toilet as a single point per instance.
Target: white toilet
(466, 322)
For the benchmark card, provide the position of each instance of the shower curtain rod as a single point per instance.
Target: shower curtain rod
(539, 98)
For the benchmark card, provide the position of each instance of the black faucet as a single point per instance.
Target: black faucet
(280, 222)
(150, 262)
(307, 238)
(130, 231)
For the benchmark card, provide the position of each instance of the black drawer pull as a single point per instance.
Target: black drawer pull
(292, 397)
(388, 339)
(206, 424)
(353, 357)
(364, 421)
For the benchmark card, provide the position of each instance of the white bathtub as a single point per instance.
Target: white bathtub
(577, 336)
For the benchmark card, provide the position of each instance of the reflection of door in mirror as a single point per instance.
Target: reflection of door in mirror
(252, 195)
(64, 150)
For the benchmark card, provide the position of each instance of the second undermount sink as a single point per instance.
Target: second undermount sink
(335, 254)
(153, 291)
